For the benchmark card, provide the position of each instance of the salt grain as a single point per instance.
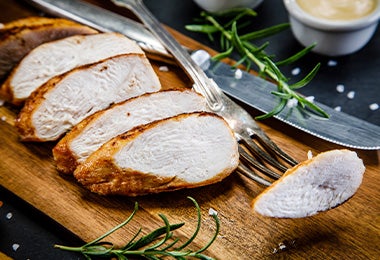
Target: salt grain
(1, 25)
(201, 58)
(163, 68)
(291, 102)
(4, 118)
(282, 246)
(310, 99)
(212, 212)
(338, 108)
(374, 106)
(296, 71)
(15, 247)
(309, 154)
(332, 63)
(238, 74)
(340, 88)
(351, 94)
(9, 215)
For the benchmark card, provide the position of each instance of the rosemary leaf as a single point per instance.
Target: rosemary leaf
(303, 82)
(296, 56)
(275, 110)
(145, 240)
(265, 32)
(201, 28)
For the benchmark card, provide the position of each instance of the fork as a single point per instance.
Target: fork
(262, 155)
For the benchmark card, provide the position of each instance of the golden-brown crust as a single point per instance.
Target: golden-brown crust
(19, 37)
(23, 123)
(100, 174)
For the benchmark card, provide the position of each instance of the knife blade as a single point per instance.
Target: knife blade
(340, 128)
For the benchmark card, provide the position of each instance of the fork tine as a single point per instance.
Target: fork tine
(256, 164)
(264, 140)
(258, 151)
(252, 175)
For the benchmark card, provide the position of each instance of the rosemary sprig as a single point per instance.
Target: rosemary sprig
(231, 41)
(158, 243)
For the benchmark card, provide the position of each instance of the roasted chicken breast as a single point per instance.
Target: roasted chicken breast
(318, 184)
(65, 100)
(57, 57)
(184, 151)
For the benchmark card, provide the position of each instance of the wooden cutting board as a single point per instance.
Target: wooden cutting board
(351, 230)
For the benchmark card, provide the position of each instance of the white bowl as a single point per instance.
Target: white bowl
(333, 37)
(222, 5)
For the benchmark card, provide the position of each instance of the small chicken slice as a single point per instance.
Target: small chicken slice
(318, 184)
(65, 100)
(91, 133)
(57, 57)
(184, 151)
(19, 37)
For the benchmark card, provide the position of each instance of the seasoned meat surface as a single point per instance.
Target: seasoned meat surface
(184, 151)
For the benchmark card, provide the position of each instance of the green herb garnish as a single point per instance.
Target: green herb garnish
(160, 242)
(232, 42)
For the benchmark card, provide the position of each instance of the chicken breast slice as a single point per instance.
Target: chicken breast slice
(57, 57)
(318, 184)
(91, 133)
(65, 100)
(19, 37)
(184, 151)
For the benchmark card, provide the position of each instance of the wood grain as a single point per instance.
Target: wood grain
(348, 231)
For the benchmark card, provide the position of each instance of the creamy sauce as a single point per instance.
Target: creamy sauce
(338, 9)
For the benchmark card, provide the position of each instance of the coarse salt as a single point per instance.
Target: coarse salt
(282, 246)
(201, 58)
(309, 154)
(15, 247)
(2, 102)
(340, 88)
(9, 215)
(351, 94)
(292, 103)
(4, 118)
(1, 25)
(310, 99)
(296, 71)
(332, 63)
(163, 68)
(338, 108)
(238, 74)
(374, 106)
(212, 212)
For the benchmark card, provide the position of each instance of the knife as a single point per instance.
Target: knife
(340, 128)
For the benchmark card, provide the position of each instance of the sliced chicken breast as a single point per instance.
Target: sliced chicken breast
(19, 37)
(65, 100)
(57, 57)
(86, 137)
(184, 151)
(318, 184)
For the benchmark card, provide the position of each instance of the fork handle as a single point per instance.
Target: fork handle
(203, 84)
